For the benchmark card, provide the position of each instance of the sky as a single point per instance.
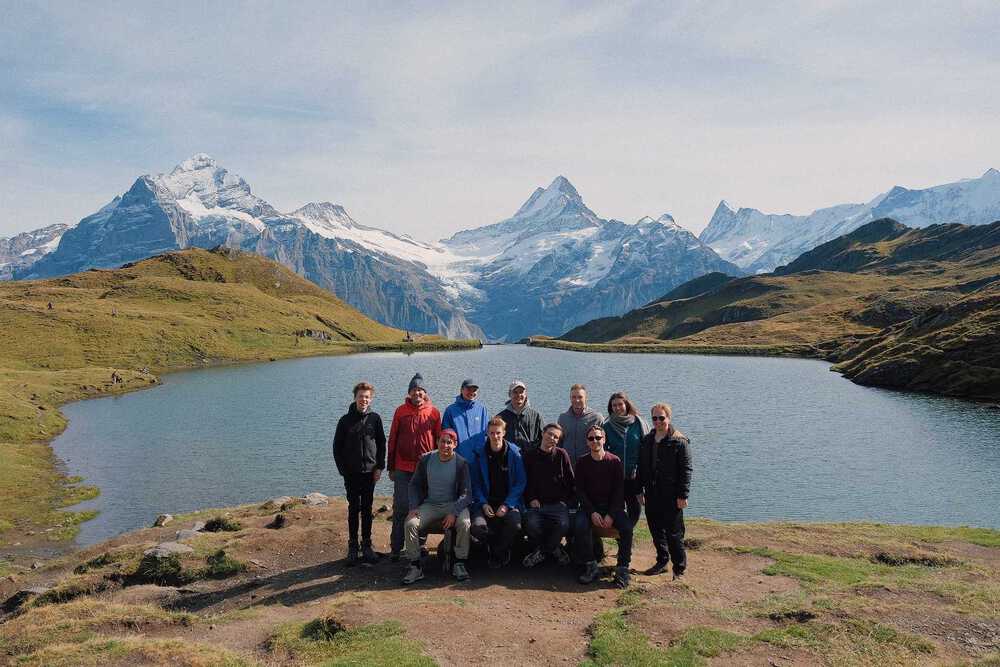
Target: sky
(426, 118)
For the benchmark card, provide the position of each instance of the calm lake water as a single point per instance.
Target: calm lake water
(772, 438)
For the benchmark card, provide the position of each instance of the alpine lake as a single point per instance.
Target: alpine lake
(772, 438)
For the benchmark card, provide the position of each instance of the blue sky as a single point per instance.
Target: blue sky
(428, 118)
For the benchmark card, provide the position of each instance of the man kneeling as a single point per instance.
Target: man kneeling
(440, 493)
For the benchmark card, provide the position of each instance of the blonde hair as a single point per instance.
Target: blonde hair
(665, 407)
(496, 421)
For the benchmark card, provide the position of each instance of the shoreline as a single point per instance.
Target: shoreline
(61, 491)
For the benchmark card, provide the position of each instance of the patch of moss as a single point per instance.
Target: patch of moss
(219, 565)
(814, 570)
(614, 641)
(165, 571)
(220, 524)
(379, 644)
(100, 651)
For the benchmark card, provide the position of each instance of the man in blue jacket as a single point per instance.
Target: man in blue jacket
(498, 481)
(467, 417)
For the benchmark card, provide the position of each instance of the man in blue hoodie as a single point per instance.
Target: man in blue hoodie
(498, 481)
(467, 417)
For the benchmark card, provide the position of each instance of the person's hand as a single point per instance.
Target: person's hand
(392, 475)
(535, 504)
(608, 521)
(448, 522)
(377, 475)
(488, 511)
(682, 503)
(501, 511)
(596, 519)
(641, 498)
(412, 515)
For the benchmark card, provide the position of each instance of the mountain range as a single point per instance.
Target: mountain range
(760, 242)
(552, 265)
(20, 251)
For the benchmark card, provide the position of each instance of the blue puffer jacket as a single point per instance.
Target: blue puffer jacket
(518, 478)
(627, 451)
(468, 419)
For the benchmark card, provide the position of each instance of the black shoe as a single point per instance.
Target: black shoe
(659, 567)
(590, 572)
(424, 553)
(678, 575)
(368, 555)
(352, 555)
(622, 577)
(394, 556)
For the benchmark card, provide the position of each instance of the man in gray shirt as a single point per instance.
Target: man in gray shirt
(575, 423)
(439, 494)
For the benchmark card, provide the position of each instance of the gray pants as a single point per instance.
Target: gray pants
(400, 508)
(429, 518)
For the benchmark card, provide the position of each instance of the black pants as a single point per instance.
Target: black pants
(584, 538)
(359, 487)
(545, 526)
(499, 532)
(632, 506)
(666, 524)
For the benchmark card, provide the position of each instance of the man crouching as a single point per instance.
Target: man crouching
(439, 493)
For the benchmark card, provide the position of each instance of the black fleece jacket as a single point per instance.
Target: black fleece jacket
(359, 443)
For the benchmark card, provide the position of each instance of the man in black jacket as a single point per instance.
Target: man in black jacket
(664, 478)
(524, 424)
(359, 451)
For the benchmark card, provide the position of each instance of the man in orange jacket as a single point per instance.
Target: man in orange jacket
(415, 428)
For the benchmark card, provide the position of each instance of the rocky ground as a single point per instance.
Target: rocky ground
(766, 594)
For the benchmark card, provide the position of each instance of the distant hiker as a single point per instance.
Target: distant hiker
(467, 417)
(359, 451)
(665, 481)
(50, 306)
(415, 428)
(600, 490)
(116, 378)
(439, 495)
(498, 481)
(575, 423)
(524, 424)
(624, 430)
(547, 497)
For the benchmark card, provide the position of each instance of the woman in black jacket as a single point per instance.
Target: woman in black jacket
(664, 481)
(359, 451)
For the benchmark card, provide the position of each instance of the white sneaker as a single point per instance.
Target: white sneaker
(534, 558)
(413, 575)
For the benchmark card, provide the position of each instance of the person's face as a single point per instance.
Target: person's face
(595, 440)
(363, 399)
(495, 434)
(550, 439)
(660, 419)
(470, 393)
(619, 407)
(519, 397)
(418, 396)
(446, 447)
(578, 400)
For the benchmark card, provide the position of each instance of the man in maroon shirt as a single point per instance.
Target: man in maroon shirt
(600, 489)
(547, 497)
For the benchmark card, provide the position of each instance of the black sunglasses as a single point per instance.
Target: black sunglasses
(659, 418)
(594, 438)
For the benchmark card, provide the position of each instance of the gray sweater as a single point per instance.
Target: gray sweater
(418, 483)
(574, 438)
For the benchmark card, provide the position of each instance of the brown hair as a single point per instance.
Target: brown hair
(597, 427)
(496, 421)
(362, 386)
(578, 386)
(630, 408)
(552, 425)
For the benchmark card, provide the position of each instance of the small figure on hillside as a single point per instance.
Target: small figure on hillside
(664, 483)
(359, 451)
(50, 305)
(467, 417)
(114, 312)
(116, 378)
(408, 338)
(416, 426)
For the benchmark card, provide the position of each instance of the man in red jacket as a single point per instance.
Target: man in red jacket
(415, 428)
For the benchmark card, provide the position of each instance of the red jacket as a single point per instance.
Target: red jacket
(413, 433)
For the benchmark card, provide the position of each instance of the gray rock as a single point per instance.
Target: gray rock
(186, 534)
(163, 520)
(198, 525)
(316, 499)
(166, 549)
(276, 503)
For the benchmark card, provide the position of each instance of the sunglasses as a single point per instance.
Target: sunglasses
(659, 418)
(595, 438)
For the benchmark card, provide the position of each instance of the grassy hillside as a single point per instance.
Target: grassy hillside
(753, 594)
(863, 299)
(64, 338)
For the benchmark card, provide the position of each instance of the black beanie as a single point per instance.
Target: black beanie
(417, 382)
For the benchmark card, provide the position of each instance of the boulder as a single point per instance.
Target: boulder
(167, 549)
(14, 602)
(276, 503)
(198, 526)
(316, 499)
(163, 520)
(186, 534)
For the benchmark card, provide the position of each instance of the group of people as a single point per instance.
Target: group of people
(579, 478)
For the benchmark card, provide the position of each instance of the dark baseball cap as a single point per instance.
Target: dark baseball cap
(469, 382)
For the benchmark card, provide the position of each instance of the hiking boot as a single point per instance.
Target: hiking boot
(459, 572)
(413, 575)
(622, 577)
(590, 571)
(368, 555)
(352, 555)
(659, 567)
(678, 575)
(534, 558)
(562, 557)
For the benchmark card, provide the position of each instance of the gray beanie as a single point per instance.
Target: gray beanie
(416, 382)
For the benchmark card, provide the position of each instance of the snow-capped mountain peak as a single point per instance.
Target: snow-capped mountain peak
(195, 162)
(991, 173)
(325, 211)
